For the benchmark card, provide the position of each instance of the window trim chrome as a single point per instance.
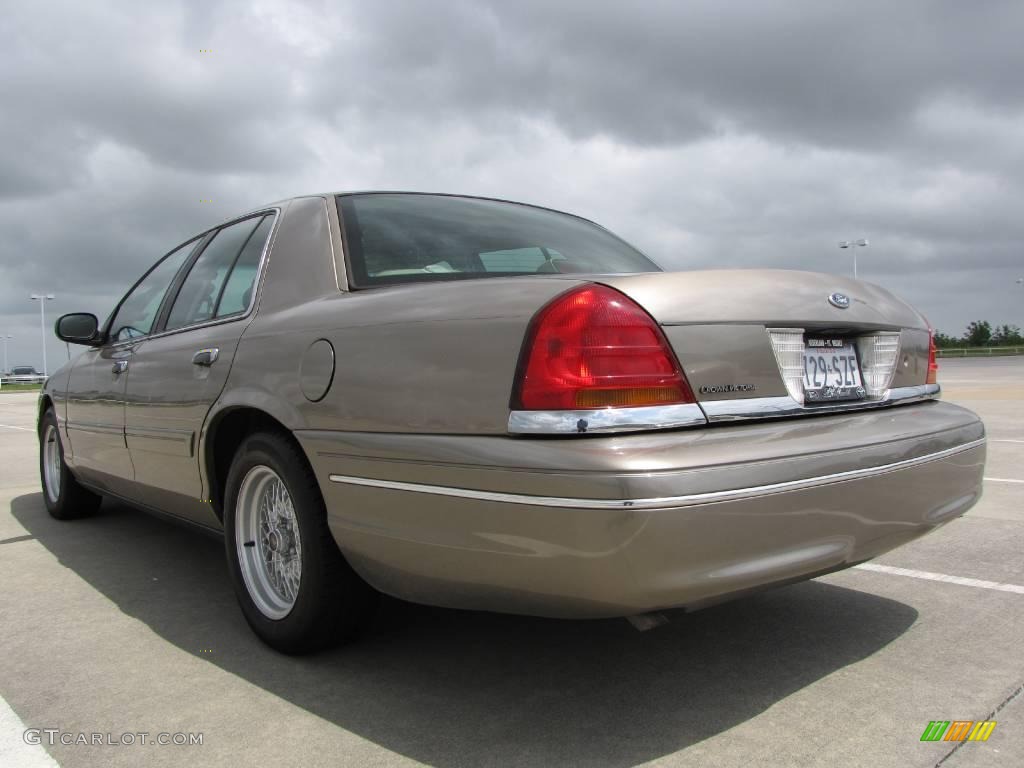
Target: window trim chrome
(605, 420)
(745, 409)
(335, 231)
(663, 502)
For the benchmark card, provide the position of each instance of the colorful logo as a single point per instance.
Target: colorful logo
(958, 730)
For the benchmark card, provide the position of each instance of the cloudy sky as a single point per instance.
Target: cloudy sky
(707, 133)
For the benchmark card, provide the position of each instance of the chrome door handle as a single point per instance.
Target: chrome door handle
(120, 366)
(206, 357)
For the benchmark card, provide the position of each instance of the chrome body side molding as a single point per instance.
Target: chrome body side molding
(685, 500)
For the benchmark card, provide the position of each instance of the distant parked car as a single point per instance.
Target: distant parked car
(24, 374)
(487, 405)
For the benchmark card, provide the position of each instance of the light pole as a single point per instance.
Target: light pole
(6, 337)
(42, 298)
(853, 245)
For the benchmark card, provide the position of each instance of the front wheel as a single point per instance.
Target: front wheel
(65, 498)
(294, 586)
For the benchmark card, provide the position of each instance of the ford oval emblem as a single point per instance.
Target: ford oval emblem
(840, 300)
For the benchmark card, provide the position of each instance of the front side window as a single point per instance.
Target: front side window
(197, 299)
(401, 238)
(137, 312)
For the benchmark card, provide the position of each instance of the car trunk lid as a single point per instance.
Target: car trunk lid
(771, 297)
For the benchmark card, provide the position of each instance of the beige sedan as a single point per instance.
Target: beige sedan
(488, 405)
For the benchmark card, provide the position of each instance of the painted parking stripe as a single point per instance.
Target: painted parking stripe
(13, 749)
(1002, 480)
(1004, 440)
(11, 426)
(929, 576)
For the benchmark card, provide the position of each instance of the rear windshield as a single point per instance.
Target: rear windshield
(24, 372)
(404, 238)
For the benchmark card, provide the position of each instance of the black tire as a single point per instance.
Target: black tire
(72, 500)
(332, 603)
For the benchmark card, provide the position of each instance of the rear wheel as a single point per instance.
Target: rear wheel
(294, 586)
(65, 498)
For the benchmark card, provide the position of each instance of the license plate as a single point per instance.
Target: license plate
(831, 371)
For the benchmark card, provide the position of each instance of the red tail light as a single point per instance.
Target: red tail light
(933, 363)
(593, 347)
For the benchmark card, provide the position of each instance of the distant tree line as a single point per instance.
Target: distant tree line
(980, 333)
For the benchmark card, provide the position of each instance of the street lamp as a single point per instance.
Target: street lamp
(42, 298)
(853, 245)
(6, 337)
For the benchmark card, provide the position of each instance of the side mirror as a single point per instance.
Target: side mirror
(78, 328)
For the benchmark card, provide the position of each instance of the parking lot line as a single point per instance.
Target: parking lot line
(13, 749)
(929, 576)
(1004, 440)
(11, 426)
(1002, 480)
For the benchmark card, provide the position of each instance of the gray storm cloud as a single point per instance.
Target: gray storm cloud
(707, 133)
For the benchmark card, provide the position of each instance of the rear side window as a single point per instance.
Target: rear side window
(242, 280)
(197, 298)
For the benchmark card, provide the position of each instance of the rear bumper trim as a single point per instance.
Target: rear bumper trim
(605, 420)
(685, 500)
(784, 407)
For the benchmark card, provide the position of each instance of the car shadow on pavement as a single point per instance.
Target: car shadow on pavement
(449, 687)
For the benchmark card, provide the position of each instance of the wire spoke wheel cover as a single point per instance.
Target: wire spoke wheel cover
(51, 463)
(268, 542)
(64, 497)
(294, 586)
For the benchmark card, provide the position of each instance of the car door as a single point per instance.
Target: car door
(177, 373)
(94, 419)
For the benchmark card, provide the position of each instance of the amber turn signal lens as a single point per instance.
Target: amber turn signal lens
(933, 362)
